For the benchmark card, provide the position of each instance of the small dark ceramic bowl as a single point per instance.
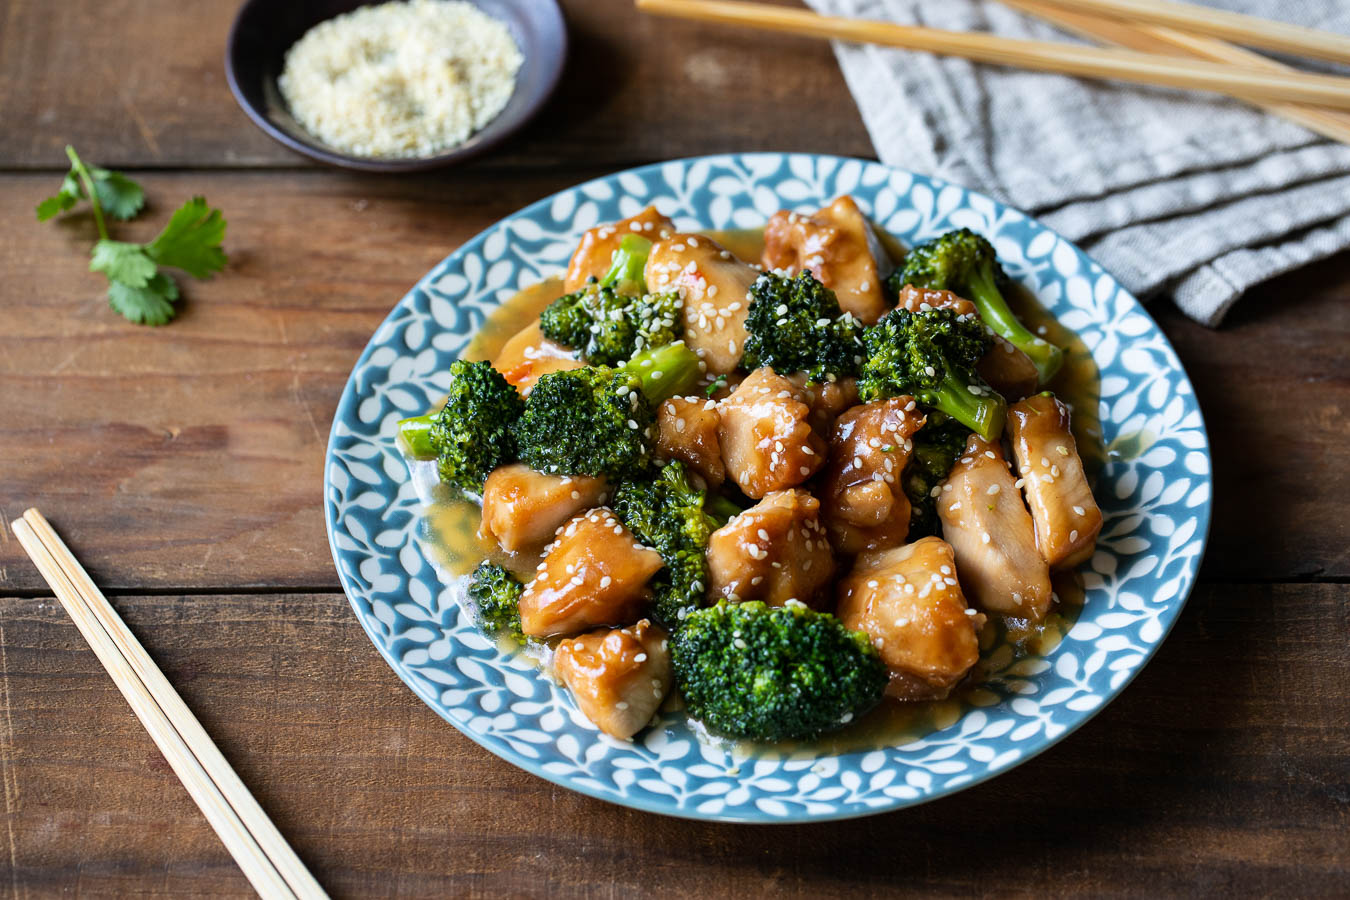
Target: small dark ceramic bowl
(265, 29)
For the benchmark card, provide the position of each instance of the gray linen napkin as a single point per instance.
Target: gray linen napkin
(1175, 193)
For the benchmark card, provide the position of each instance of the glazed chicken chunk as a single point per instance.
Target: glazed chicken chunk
(618, 676)
(1067, 518)
(988, 526)
(909, 602)
(839, 247)
(775, 551)
(529, 355)
(865, 507)
(594, 574)
(1007, 369)
(827, 399)
(686, 429)
(523, 508)
(766, 439)
(714, 286)
(595, 253)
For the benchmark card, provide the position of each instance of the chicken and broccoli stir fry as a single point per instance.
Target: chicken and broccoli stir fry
(784, 489)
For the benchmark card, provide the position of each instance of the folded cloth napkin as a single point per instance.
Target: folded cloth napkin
(1180, 194)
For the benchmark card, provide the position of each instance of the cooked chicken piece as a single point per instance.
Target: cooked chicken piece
(529, 354)
(767, 443)
(988, 526)
(714, 286)
(595, 253)
(827, 399)
(839, 247)
(909, 603)
(775, 551)
(1067, 517)
(865, 507)
(1007, 369)
(523, 508)
(686, 429)
(619, 677)
(595, 573)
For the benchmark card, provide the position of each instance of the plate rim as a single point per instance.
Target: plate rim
(348, 399)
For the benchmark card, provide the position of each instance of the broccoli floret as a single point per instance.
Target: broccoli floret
(471, 435)
(495, 593)
(568, 319)
(599, 421)
(936, 447)
(932, 354)
(669, 514)
(796, 325)
(749, 670)
(964, 263)
(609, 320)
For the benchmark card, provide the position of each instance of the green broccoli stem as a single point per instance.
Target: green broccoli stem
(996, 313)
(629, 262)
(720, 509)
(416, 434)
(983, 414)
(664, 372)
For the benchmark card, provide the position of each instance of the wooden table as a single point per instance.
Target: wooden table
(183, 465)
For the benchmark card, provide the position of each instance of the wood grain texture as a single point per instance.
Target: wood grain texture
(636, 89)
(1186, 784)
(188, 460)
(191, 455)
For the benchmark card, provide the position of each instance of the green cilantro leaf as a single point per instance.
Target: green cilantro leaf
(191, 240)
(121, 197)
(63, 201)
(127, 263)
(151, 304)
(137, 289)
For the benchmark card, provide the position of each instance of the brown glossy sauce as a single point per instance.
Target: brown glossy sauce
(451, 539)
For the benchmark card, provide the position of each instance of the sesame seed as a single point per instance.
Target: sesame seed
(606, 582)
(984, 538)
(641, 657)
(1078, 510)
(1073, 535)
(993, 489)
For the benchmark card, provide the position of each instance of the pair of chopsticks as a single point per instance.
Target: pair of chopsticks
(1154, 33)
(268, 862)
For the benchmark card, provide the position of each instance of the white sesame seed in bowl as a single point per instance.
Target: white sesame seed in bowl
(401, 85)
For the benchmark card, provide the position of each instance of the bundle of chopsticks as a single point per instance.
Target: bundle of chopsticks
(1161, 42)
(268, 862)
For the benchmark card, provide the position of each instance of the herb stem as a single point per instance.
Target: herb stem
(78, 165)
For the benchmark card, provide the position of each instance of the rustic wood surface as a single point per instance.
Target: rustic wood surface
(183, 465)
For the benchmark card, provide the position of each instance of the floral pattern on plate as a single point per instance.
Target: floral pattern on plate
(1156, 507)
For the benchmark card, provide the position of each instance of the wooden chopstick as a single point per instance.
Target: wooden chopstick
(268, 862)
(1047, 56)
(1221, 23)
(1157, 39)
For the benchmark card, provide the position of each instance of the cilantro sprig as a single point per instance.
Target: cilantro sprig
(138, 289)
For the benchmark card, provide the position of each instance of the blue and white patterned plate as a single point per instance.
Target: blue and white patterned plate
(1156, 508)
